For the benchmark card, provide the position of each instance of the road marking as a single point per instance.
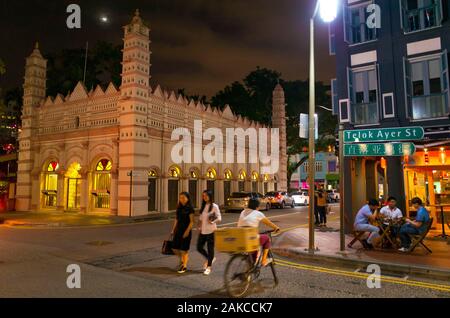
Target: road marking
(364, 276)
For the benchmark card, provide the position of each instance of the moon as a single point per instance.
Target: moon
(104, 19)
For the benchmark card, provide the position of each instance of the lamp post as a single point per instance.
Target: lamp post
(328, 12)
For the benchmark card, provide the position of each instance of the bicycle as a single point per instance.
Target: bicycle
(238, 281)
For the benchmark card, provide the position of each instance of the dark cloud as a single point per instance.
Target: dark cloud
(199, 45)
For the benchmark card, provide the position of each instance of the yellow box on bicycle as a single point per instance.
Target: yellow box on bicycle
(237, 240)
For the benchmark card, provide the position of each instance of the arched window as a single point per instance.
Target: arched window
(102, 184)
(104, 165)
(211, 174)
(228, 174)
(174, 172)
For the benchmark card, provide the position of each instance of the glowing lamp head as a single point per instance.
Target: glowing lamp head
(328, 10)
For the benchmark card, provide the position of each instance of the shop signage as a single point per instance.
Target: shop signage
(385, 134)
(379, 150)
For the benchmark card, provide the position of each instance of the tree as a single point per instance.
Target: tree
(252, 98)
(66, 68)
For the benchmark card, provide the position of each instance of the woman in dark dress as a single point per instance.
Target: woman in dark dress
(182, 230)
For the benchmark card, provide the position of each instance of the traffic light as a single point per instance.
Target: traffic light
(336, 147)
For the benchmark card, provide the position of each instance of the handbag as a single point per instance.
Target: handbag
(167, 247)
(212, 217)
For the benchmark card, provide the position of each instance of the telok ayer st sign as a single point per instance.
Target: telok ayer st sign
(387, 134)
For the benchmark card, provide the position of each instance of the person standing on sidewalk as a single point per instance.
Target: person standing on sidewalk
(322, 206)
(182, 230)
(414, 227)
(368, 214)
(209, 217)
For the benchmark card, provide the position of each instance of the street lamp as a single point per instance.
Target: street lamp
(328, 11)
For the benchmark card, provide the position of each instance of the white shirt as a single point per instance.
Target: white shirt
(207, 227)
(391, 214)
(250, 218)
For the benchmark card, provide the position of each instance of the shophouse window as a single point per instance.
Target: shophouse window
(356, 28)
(426, 83)
(420, 15)
(363, 91)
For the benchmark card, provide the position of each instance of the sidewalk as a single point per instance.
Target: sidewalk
(294, 244)
(66, 219)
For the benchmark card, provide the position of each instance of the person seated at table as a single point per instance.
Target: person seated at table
(390, 211)
(416, 227)
(365, 216)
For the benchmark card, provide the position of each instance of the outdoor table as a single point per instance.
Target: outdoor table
(386, 226)
(443, 235)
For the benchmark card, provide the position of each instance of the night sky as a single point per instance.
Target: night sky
(199, 45)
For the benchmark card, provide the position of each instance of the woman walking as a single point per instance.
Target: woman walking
(209, 217)
(182, 230)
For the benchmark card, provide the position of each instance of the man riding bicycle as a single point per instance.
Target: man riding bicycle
(251, 217)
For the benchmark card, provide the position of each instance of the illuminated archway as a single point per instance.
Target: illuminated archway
(173, 187)
(228, 176)
(101, 188)
(255, 178)
(73, 186)
(50, 184)
(152, 189)
(194, 175)
(242, 178)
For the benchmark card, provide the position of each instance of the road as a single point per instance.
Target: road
(125, 261)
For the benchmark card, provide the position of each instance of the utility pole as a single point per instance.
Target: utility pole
(341, 186)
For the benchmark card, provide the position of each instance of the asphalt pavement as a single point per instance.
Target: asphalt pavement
(125, 261)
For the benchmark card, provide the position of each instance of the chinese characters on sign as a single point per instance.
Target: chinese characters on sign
(379, 150)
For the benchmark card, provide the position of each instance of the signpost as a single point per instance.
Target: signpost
(379, 150)
(132, 174)
(384, 134)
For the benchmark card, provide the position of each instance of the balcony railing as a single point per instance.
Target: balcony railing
(422, 18)
(431, 106)
(365, 114)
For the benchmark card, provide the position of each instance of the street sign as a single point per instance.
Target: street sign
(379, 150)
(304, 126)
(384, 134)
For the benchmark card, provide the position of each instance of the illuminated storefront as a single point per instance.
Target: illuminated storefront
(427, 176)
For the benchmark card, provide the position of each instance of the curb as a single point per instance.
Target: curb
(43, 225)
(417, 271)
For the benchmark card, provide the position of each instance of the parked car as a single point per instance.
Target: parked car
(280, 199)
(333, 195)
(300, 198)
(238, 201)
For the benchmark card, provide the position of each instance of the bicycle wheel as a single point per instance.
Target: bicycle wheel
(238, 275)
(272, 267)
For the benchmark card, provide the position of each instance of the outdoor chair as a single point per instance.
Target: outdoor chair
(418, 239)
(357, 238)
